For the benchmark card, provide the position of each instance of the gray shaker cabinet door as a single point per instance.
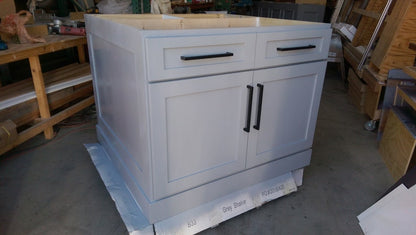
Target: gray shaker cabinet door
(197, 130)
(289, 108)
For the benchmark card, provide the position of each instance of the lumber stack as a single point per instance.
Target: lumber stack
(391, 51)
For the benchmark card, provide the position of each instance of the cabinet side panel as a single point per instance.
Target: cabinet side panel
(122, 106)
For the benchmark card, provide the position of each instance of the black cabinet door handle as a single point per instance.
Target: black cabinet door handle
(200, 57)
(295, 48)
(259, 105)
(249, 104)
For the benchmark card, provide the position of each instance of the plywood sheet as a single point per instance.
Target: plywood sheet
(397, 144)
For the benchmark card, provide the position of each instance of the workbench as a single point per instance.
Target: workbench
(32, 52)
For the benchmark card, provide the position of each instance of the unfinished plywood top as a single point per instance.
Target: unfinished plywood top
(197, 21)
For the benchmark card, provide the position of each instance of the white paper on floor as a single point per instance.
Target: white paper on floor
(393, 214)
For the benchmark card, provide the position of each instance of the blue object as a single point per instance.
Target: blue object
(243, 3)
(3, 45)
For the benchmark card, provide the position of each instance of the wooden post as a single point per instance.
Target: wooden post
(39, 85)
(81, 54)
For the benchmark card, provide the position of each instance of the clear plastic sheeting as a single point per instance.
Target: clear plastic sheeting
(198, 218)
(136, 223)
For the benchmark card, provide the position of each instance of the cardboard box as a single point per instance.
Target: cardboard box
(7, 7)
(317, 2)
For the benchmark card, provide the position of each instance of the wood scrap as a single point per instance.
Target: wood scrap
(8, 133)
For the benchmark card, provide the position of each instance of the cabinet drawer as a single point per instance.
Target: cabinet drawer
(282, 48)
(178, 57)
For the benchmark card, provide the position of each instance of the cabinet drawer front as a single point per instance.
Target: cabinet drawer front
(281, 48)
(179, 57)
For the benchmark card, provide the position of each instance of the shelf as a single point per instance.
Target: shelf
(55, 80)
(411, 71)
(397, 146)
(409, 95)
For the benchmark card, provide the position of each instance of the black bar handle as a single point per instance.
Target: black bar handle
(295, 48)
(250, 103)
(199, 57)
(259, 105)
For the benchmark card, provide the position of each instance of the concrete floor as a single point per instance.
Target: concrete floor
(52, 187)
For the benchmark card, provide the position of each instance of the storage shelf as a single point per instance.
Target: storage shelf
(409, 95)
(55, 80)
(411, 71)
(407, 117)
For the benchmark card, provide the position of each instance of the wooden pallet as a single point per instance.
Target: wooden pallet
(347, 15)
(392, 50)
(368, 22)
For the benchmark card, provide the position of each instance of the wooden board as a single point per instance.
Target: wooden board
(8, 132)
(374, 81)
(60, 75)
(409, 95)
(392, 50)
(39, 85)
(28, 111)
(347, 15)
(356, 90)
(411, 71)
(357, 99)
(352, 56)
(397, 146)
(53, 43)
(37, 30)
(47, 123)
(356, 82)
(368, 24)
(372, 95)
(371, 14)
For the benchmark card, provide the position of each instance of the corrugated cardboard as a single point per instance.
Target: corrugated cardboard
(7, 7)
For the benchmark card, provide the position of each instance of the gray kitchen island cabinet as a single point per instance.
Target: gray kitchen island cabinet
(192, 108)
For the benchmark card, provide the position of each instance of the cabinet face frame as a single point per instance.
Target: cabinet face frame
(188, 113)
(288, 112)
(301, 84)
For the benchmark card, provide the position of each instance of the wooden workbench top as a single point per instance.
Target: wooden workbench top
(53, 43)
